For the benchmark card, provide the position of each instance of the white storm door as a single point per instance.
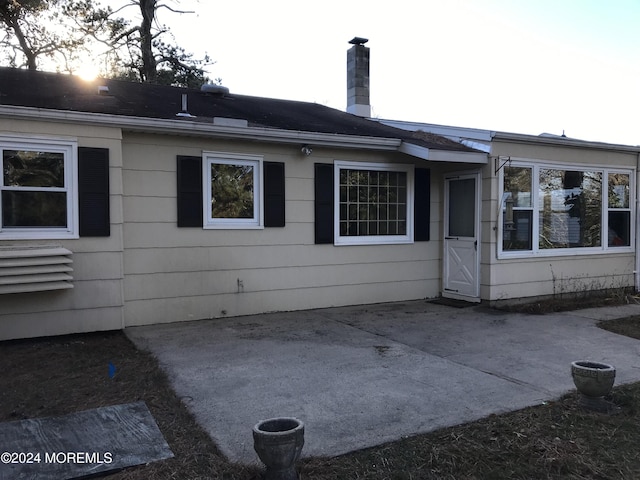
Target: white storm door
(461, 223)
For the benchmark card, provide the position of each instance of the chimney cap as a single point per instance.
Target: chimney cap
(358, 41)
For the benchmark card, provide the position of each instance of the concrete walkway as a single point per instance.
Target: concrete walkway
(361, 376)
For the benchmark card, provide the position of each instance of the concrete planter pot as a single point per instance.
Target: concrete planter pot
(278, 442)
(594, 381)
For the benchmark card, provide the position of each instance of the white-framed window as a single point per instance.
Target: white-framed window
(619, 201)
(549, 209)
(38, 188)
(374, 203)
(232, 190)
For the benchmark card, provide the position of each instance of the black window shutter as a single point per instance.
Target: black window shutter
(93, 192)
(190, 201)
(323, 203)
(274, 201)
(422, 205)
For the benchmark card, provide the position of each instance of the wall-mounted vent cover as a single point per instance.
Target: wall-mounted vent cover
(35, 269)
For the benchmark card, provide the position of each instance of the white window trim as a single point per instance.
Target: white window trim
(69, 148)
(536, 252)
(257, 222)
(373, 239)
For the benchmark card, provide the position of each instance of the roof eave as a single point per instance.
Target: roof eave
(201, 129)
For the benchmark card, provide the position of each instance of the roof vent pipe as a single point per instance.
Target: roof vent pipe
(185, 111)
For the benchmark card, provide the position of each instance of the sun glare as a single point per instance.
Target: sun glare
(88, 72)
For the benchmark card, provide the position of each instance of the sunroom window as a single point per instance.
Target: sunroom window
(570, 206)
(619, 210)
(374, 203)
(583, 209)
(518, 209)
(37, 190)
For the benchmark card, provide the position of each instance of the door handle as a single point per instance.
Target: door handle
(475, 245)
(451, 238)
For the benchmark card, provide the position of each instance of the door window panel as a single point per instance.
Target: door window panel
(462, 209)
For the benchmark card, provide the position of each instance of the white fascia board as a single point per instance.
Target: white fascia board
(450, 156)
(563, 141)
(202, 129)
(448, 131)
(415, 150)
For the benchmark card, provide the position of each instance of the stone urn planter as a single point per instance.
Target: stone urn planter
(594, 381)
(278, 442)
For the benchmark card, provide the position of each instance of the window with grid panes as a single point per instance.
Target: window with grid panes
(374, 202)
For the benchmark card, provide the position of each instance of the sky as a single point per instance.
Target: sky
(522, 66)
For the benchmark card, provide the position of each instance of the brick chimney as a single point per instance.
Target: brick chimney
(358, 78)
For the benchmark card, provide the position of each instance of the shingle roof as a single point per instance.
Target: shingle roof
(19, 87)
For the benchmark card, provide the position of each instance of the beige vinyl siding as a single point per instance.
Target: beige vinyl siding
(175, 274)
(96, 301)
(248, 303)
(49, 323)
(213, 278)
(216, 293)
(560, 276)
(599, 157)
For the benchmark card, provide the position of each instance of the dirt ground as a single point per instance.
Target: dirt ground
(62, 375)
(563, 303)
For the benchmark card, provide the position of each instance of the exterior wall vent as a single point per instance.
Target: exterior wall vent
(35, 268)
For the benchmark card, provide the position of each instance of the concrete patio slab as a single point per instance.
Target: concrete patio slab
(361, 376)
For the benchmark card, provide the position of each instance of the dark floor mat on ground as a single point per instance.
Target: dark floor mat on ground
(81, 444)
(452, 302)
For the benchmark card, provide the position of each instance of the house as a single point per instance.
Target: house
(128, 204)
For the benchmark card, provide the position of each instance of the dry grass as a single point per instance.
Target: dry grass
(567, 302)
(558, 440)
(629, 326)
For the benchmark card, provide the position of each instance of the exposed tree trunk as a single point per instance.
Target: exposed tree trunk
(149, 66)
(12, 22)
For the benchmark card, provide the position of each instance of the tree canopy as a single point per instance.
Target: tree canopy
(33, 30)
(66, 32)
